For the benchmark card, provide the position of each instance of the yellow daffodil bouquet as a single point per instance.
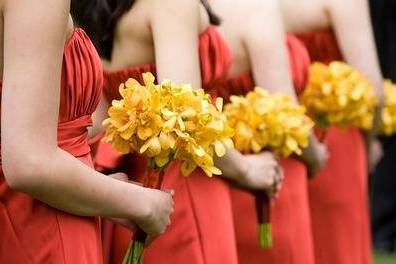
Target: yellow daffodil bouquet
(267, 122)
(264, 121)
(339, 95)
(388, 115)
(167, 122)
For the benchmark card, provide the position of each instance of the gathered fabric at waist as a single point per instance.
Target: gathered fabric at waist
(73, 136)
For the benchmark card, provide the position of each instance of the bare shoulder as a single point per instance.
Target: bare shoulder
(139, 19)
(256, 6)
(160, 9)
(182, 5)
(305, 15)
(135, 21)
(248, 11)
(257, 14)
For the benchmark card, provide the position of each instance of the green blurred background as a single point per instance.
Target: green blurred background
(384, 259)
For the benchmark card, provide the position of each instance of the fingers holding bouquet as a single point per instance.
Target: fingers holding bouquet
(263, 173)
(159, 207)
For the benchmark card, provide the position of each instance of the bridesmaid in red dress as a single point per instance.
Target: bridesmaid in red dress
(176, 36)
(336, 30)
(260, 58)
(50, 196)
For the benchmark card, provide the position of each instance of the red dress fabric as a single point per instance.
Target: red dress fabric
(338, 195)
(31, 231)
(202, 229)
(290, 215)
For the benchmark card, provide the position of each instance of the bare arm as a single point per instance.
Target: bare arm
(175, 29)
(352, 26)
(34, 37)
(266, 45)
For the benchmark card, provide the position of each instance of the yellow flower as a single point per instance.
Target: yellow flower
(388, 115)
(169, 122)
(264, 121)
(339, 95)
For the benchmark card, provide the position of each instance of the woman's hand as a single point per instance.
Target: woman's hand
(263, 173)
(160, 207)
(254, 172)
(160, 204)
(315, 157)
(374, 154)
(155, 223)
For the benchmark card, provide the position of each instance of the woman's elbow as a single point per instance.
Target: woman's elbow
(22, 172)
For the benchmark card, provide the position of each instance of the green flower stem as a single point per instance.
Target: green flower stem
(134, 254)
(263, 211)
(128, 256)
(137, 252)
(265, 235)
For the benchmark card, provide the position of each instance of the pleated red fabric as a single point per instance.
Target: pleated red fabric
(31, 231)
(338, 195)
(290, 215)
(202, 229)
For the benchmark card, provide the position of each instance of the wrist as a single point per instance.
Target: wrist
(233, 165)
(242, 170)
(140, 207)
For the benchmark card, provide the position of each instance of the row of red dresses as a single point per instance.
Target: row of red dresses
(31, 231)
(337, 196)
(202, 229)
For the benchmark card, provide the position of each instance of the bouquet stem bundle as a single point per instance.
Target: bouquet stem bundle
(263, 209)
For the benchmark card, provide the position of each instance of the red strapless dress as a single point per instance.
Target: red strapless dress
(290, 215)
(338, 195)
(31, 231)
(202, 229)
